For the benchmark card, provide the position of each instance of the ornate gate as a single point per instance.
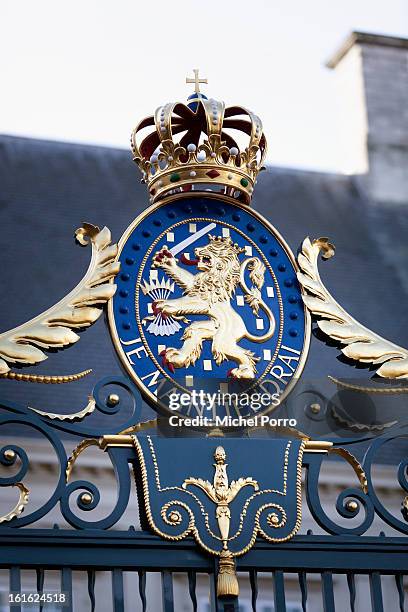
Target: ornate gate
(88, 548)
(210, 314)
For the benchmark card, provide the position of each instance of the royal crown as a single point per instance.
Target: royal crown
(191, 148)
(220, 242)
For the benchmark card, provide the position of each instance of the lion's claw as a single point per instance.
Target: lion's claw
(163, 257)
(158, 309)
(242, 371)
(165, 362)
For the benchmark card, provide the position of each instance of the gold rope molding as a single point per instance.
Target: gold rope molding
(45, 378)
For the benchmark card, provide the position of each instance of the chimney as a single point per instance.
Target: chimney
(372, 80)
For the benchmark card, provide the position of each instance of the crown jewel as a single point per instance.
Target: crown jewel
(193, 147)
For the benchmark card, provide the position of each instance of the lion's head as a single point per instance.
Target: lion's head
(219, 264)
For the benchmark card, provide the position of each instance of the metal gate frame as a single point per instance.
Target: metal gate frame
(346, 550)
(141, 552)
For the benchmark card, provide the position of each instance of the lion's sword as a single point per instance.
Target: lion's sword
(191, 239)
(169, 326)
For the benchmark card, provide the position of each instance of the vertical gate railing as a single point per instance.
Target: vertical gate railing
(142, 555)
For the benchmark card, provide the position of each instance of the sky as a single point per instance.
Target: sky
(88, 70)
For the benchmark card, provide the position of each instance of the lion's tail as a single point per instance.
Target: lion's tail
(253, 296)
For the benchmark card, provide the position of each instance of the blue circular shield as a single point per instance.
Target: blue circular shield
(207, 297)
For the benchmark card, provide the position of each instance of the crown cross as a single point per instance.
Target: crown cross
(196, 80)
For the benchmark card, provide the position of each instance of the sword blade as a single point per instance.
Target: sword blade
(191, 239)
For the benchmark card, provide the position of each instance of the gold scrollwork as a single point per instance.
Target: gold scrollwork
(341, 417)
(273, 519)
(257, 493)
(163, 489)
(222, 494)
(174, 516)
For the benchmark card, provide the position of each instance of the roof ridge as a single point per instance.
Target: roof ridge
(62, 143)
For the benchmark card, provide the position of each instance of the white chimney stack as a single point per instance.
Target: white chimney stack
(372, 79)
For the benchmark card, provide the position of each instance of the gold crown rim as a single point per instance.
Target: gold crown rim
(227, 177)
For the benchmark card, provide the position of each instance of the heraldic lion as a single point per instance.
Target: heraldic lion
(209, 293)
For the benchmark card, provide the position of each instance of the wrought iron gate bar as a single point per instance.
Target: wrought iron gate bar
(91, 588)
(142, 589)
(279, 590)
(192, 584)
(167, 591)
(401, 593)
(327, 592)
(351, 583)
(15, 585)
(118, 595)
(376, 592)
(253, 581)
(66, 586)
(303, 589)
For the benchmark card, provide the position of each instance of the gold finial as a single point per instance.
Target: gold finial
(196, 80)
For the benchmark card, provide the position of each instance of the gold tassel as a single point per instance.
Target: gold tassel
(227, 582)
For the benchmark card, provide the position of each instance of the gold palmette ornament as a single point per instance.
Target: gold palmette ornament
(222, 494)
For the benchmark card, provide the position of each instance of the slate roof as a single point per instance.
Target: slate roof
(48, 188)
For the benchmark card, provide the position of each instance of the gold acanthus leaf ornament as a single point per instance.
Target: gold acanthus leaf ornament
(24, 345)
(361, 344)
